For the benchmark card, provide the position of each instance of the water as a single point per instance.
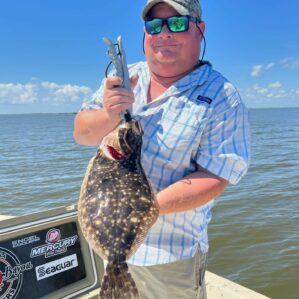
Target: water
(254, 235)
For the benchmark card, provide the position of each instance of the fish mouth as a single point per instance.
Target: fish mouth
(113, 153)
(119, 144)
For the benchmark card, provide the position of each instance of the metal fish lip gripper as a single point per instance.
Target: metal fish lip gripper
(117, 55)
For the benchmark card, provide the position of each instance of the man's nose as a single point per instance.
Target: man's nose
(165, 31)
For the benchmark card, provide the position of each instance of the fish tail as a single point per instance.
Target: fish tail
(117, 283)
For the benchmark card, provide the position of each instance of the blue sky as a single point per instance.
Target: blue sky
(52, 57)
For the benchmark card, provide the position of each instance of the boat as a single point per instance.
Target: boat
(44, 255)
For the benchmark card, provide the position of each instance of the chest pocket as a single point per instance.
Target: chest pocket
(182, 126)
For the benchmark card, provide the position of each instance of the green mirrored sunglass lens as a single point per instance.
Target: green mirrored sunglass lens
(177, 24)
(174, 24)
(154, 26)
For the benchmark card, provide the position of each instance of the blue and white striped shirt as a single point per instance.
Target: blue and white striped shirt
(198, 120)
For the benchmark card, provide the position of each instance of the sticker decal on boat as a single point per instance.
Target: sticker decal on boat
(11, 274)
(37, 262)
(54, 245)
(25, 241)
(57, 266)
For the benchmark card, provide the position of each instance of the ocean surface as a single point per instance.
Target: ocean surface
(254, 233)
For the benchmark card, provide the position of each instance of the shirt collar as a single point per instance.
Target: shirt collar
(195, 78)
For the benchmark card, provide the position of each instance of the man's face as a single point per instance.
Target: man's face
(172, 54)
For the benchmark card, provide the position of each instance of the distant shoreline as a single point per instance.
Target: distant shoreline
(38, 113)
(72, 113)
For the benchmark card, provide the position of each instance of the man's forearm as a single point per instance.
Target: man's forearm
(91, 126)
(191, 192)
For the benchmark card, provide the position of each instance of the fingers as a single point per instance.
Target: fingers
(113, 81)
(117, 99)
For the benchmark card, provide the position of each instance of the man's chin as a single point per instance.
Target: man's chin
(167, 55)
(167, 58)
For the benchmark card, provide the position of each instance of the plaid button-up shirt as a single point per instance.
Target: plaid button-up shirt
(198, 120)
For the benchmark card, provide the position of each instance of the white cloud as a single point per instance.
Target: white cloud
(269, 66)
(287, 62)
(275, 85)
(71, 92)
(260, 90)
(272, 91)
(290, 62)
(18, 93)
(258, 69)
(34, 92)
(49, 85)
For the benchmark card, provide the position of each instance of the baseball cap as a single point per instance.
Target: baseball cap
(183, 7)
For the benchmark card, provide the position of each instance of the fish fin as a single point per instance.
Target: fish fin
(83, 214)
(143, 228)
(117, 283)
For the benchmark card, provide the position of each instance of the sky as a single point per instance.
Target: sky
(52, 57)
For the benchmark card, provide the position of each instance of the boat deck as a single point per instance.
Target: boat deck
(217, 287)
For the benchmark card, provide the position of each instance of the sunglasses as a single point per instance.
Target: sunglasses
(174, 24)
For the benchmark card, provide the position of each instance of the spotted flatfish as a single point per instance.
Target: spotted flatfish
(117, 206)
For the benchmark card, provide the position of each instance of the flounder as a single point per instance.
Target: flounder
(117, 206)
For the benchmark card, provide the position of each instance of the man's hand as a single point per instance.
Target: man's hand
(91, 126)
(117, 99)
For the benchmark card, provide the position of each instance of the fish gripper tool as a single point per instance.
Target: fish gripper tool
(117, 55)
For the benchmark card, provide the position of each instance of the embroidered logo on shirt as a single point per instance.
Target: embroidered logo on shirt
(204, 99)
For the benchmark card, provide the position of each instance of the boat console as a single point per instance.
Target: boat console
(44, 255)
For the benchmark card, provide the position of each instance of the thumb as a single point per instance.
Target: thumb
(134, 81)
(113, 81)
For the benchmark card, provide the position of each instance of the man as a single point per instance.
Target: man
(195, 143)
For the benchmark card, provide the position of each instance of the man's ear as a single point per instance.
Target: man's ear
(202, 27)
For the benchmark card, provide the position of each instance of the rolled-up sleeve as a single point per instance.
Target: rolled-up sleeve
(96, 101)
(225, 142)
